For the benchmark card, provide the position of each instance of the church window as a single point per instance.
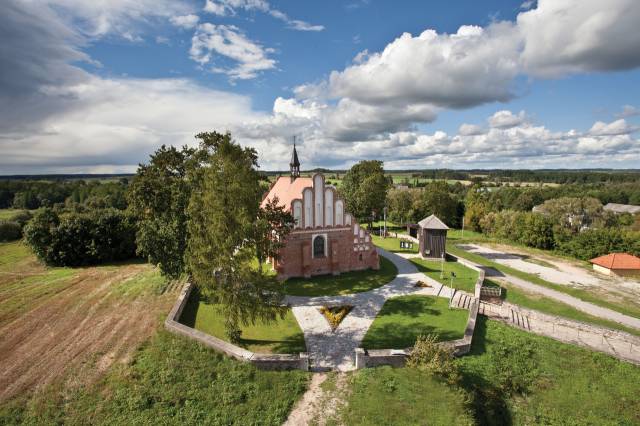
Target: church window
(318, 246)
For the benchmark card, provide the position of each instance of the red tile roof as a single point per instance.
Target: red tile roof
(617, 261)
(287, 191)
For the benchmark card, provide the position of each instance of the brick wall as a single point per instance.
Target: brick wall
(342, 254)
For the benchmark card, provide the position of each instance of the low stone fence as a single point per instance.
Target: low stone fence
(262, 361)
(616, 343)
(398, 357)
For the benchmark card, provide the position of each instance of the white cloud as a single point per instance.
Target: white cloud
(185, 21)
(618, 127)
(227, 41)
(628, 111)
(229, 7)
(473, 66)
(528, 4)
(119, 17)
(505, 119)
(570, 36)
(118, 122)
(470, 130)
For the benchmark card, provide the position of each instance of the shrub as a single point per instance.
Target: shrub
(21, 218)
(335, 314)
(81, 238)
(436, 358)
(10, 230)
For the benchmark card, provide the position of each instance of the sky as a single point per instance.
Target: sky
(96, 86)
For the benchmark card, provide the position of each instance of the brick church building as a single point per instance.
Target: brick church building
(326, 239)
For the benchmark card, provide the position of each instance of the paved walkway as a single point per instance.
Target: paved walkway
(334, 350)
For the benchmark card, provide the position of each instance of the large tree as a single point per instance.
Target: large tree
(364, 188)
(158, 197)
(227, 231)
(436, 199)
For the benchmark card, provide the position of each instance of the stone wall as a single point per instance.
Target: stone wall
(262, 361)
(398, 357)
(616, 343)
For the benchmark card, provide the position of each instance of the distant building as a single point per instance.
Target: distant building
(432, 237)
(620, 264)
(622, 208)
(326, 239)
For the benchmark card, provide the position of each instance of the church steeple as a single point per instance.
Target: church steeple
(294, 165)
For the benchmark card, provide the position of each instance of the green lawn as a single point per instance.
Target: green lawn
(519, 378)
(6, 214)
(465, 277)
(402, 396)
(393, 244)
(171, 380)
(282, 336)
(630, 308)
(402, 319)
(345, 283)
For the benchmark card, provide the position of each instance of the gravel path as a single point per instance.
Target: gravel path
(516, 263)
(334, 350)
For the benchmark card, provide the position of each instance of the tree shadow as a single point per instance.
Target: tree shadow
(412, 307)
(488, 401)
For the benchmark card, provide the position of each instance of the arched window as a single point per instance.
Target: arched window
(318, 246)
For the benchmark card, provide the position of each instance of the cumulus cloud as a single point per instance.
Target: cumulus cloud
(229, 7)
(473, 66)
(228, 41)
(185, 21)
(505, 119)
(65, 119)
(615, 128)
(478, 65)
(570, 36)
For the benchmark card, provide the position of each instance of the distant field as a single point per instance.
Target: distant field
(6, 214)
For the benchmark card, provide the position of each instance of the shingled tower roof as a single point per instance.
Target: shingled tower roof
(294, 165)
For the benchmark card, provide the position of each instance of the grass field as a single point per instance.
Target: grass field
(345, 283)
(282, 336)
(400, 396)
(402, 319)
(465, 278)
(393, 245)
(510, 377)
(85, 346)
(520, 378)
(169, 381)
(6, 214)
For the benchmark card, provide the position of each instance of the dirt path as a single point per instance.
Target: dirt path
(322, 402)
(74, 332)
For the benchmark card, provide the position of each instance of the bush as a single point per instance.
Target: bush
(10, 230)
(81, 238)
(436, 358)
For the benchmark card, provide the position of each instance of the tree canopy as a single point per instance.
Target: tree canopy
(364, 188)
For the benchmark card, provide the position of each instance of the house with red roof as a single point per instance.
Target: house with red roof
(326, 239)
(620, 264)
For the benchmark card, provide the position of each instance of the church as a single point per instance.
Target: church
(325, 239)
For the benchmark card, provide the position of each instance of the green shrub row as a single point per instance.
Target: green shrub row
(77, 239)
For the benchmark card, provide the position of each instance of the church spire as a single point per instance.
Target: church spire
(294, 165)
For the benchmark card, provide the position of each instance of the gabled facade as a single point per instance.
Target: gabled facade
(326, 239)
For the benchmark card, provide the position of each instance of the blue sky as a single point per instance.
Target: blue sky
(96, 87)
